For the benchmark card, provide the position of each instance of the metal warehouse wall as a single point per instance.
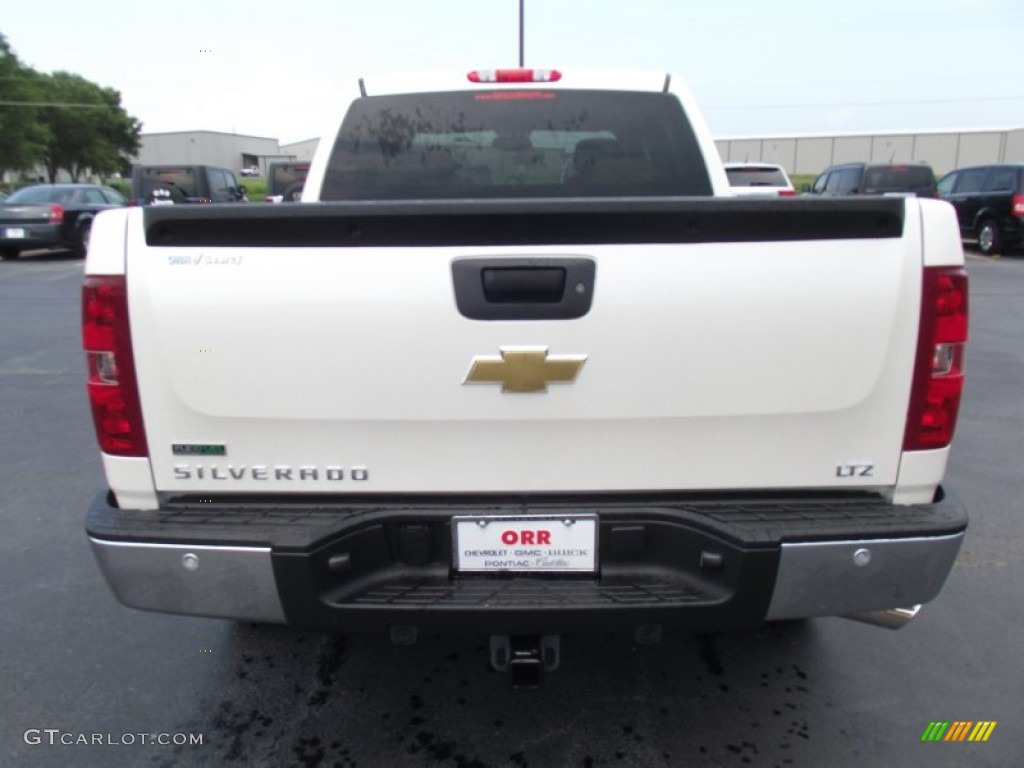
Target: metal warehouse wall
(228, 150)
(301, 150)
(1014, 147)
(944, 151)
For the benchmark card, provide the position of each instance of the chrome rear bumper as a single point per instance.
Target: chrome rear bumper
(838, 578)
(685, 565)
(235, 582)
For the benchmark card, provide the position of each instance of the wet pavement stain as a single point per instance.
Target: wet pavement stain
(706, 645)
(435, 748)
(329, 662)
(234, 725)
(309, 752)
(424, 721)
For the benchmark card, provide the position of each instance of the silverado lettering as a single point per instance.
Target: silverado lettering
(262, 472)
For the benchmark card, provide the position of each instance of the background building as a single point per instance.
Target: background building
(943, 150)
(801, 154)
(228, 150)
(301, 150)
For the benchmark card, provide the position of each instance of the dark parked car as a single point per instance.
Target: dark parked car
(875, 179)
(285, 181)
(178, 184)
(52, 216)
(989, 202)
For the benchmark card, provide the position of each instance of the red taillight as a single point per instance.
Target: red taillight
(939, 368)
(113, 391)
(56, 214)
(514, 76)
(787, 193)
(1018, 205)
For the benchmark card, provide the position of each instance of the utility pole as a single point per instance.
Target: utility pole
(521, 33)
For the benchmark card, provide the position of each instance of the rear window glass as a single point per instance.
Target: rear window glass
(756, 177)
(173, 183)
(285, 177)
(898, 177)
(113, 196)
(1001, 180)
(515, 144)
(971, 180)
(41, 195)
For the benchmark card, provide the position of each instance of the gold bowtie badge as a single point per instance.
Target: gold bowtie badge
(525, 369)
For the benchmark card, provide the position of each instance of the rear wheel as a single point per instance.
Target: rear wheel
(9, 253)
(990, 239)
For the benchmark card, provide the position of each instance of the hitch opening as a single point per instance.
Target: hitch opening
(525, 657)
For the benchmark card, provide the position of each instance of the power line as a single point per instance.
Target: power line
(866, 103)
(55, 104)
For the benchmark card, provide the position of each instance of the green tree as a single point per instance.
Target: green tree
(87, 128)
(22, 135)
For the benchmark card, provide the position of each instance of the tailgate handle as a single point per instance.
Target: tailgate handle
(527, 288)
(504, 285)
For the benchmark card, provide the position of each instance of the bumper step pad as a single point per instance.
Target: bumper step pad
(526, 593)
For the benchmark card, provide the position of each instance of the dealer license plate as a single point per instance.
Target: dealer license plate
(14, 233)
(566, 544)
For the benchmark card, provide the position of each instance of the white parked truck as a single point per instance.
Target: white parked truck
(519, 365)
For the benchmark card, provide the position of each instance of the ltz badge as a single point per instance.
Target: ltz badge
(525, 369)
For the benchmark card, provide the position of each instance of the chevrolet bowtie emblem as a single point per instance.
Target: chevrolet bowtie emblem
(525, 369)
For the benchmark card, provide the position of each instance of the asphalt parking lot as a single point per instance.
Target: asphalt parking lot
(76, 663)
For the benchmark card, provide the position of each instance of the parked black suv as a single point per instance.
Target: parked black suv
(989, 202)
(285, 181)
(875, 179)
(177, 184)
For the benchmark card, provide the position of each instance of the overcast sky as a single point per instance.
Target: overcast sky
(273, 67)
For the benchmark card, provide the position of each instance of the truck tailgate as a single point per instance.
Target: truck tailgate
(754, 358)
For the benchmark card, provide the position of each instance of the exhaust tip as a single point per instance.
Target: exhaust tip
(891, 618)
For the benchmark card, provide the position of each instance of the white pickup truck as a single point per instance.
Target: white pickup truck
(521, 366)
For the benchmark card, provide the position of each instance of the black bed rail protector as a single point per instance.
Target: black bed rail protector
(524, 222)
(290, 526)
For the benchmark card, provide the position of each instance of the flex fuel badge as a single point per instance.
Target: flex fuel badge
(198, 449)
